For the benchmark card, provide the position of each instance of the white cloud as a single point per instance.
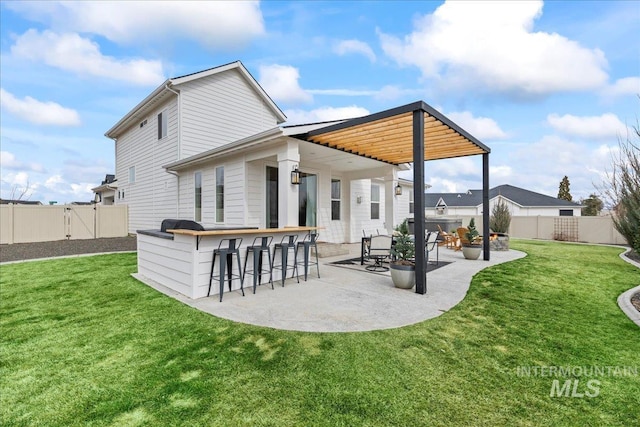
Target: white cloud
(8, 161)
(38, 112)
(386, 93)
(324, 114)
(217, 24)
(492, 46)
(593, 127)
(501, 172)
(281, 83)
(625, 86)
(345, 47)
(71, 52)
(480, 127)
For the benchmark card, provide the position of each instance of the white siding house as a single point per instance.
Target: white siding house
(211, 147)
(521, 202)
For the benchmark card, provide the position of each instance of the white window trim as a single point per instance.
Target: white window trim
(215, 214)
(163, 124)
(339, 199)
(132, 169)
(374, 201)
(195, 217)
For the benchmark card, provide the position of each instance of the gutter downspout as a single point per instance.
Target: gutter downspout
(179, 148)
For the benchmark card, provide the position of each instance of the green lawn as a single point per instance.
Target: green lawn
(83, 343)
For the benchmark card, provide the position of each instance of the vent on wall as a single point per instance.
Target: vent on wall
(142, 124)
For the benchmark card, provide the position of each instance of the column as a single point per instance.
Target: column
(288, 159)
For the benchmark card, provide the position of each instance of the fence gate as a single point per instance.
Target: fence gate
(81, 222)
(565, 229)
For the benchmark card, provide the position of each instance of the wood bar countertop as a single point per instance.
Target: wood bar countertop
(243, 231)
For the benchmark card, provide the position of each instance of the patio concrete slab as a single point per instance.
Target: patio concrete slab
(346, 300)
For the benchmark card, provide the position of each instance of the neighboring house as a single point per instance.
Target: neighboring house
(19, 202)
(105, 193)
(210, 146)
(521, 202)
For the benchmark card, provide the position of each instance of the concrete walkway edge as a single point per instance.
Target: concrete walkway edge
(624, 300)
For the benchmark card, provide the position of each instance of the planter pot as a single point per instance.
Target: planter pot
(403, 276)
(499, 242)
(471, 251)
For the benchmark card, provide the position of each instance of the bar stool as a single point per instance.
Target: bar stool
(309, 240)
(259, 246)
(226, 254)
(288, 242)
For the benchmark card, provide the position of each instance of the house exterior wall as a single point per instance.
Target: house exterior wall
(219, 109)
(152, 197)
(360, 220)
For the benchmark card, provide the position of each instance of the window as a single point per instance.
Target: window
(162, 124)
(375, 201)
(220, 194)
(411, 204)
(132, 174)
(335, 199)
(566, 212)
(197, 178)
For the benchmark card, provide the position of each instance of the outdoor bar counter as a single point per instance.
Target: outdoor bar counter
(181, 259)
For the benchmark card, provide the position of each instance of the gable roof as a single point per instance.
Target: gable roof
(519, 196)
(165, 90)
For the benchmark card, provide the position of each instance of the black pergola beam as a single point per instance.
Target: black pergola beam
(485, 207)
(418, 200)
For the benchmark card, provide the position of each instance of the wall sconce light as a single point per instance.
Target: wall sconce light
(398, 190)
(295, 176)
(359, 199)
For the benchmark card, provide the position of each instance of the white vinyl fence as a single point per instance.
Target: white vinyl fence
(28, 223)
(587, 229)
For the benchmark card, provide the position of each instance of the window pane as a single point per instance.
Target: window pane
(220, 194)
(375, 211)
(132, 174)
(198, 196)
(335, 189)
(375, 193)
(335, 209)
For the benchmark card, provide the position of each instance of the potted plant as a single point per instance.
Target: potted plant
(472, 247)
(403, 267)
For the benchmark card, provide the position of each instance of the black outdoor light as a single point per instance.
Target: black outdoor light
(398, 190)
(295, 176)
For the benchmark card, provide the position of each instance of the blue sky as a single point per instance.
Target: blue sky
(548, 86)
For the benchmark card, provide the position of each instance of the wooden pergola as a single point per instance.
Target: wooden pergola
(412, 133)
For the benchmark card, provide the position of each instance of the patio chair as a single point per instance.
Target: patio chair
(448, 240)
(431, 244)
(379, 250)
(462, 237)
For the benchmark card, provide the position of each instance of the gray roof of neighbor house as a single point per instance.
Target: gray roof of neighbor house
(520, 196)
(19, 202)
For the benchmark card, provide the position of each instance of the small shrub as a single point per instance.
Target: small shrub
(404, 249)
(472, 235)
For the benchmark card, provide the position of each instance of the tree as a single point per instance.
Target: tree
(500, 218)
(563, 191)
(592, 206)
(622, 188)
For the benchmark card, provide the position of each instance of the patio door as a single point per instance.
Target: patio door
(308, 200)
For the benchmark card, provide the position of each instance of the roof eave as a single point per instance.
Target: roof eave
(224, 150)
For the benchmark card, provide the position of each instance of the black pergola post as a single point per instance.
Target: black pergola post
(485, 207)
(418, 200)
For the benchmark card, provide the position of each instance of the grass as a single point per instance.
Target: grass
(83, 343)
